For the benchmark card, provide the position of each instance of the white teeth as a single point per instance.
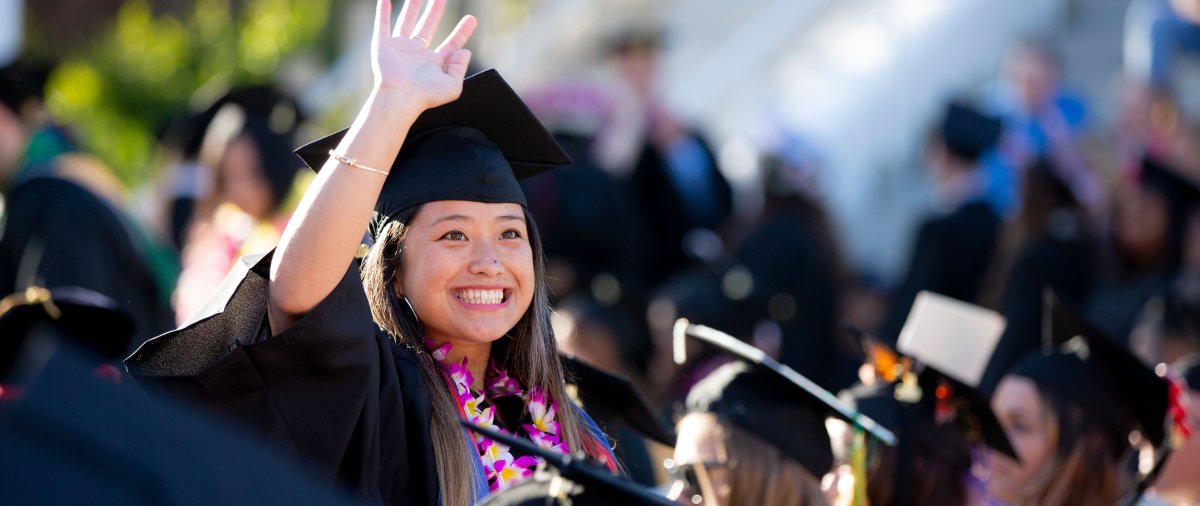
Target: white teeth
(481, 296)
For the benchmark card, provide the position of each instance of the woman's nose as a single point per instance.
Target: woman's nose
(486, 261)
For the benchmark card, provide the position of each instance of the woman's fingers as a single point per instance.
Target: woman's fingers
(383, 19)
(456, 64)
(429, 21)
(458, 37)
(408, 18)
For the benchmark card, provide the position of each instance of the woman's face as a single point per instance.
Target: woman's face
(242, 182)
(698, 443)
(467, 270)
(1019, 408)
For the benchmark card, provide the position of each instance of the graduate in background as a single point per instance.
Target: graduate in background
(755, 431)
(64, 219)
(1068, 413)
(953, 250)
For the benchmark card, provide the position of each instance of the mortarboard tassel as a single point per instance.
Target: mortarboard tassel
(1177, 410)
(858, 466)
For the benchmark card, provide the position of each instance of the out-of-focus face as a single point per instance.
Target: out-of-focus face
(1019, 408)
(1033, 77)
(698, 442)
(1142, 225)
(12, 142)
(242, 180)
(1187, 9)
(467, 270)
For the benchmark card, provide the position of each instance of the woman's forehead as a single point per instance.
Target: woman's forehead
(468, 211)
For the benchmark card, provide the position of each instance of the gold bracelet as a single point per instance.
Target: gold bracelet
(354, 163)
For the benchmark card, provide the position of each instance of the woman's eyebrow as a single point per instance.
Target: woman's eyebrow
(510, 217)
(455, 217)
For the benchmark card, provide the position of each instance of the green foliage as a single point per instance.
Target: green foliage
(119, 91)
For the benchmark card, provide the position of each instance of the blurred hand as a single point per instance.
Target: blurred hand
(403, 61)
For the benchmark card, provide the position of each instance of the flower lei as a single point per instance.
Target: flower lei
(500, 466)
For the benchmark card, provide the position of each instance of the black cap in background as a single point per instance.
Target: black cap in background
(1087, 367)
(771, 401)
(967, 132)
(611, 398)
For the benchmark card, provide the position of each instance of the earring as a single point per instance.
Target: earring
(411, 311)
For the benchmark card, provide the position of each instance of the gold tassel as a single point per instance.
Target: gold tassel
(858, 466)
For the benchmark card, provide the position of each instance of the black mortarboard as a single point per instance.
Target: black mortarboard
(475, 148)
(771, 401)
(894, 407)
(967, 132)
(85, 318)
(610, 397)
(567, 479)
(1089, 368)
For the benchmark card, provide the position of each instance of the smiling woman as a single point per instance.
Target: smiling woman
(455, 321)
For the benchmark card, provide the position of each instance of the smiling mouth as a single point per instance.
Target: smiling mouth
(473, 296)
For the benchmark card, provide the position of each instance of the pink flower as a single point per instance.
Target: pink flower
(438, 352)
(492, 452)
(500, 383)
(544, 440)
(460, 375)
(506, 474)
(541, 412)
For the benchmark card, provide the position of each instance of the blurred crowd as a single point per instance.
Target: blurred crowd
(1030, 193)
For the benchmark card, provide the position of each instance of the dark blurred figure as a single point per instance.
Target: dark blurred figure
(794, 263)
(604, 336)
(247, 154)
(1146, 253)
(590, 248)
(676, 181)
(952, 250)
(71, 436)
(64, 224)
(1049, 245)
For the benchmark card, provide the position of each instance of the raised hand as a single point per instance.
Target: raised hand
(403, 61)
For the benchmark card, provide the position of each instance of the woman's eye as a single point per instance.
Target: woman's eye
(455, 235)
(510, 234)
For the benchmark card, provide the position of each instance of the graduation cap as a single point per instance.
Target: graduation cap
(475, 148)
(21, 81)
(566, 480)
(609, 396)
(85, 318)
(967, 132)
(1089, 368)
(771, 401)
(935, 398)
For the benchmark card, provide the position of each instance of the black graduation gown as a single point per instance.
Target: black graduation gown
(952, 254)
(331, 390)
(788, 258)
(665, 210)
(57, 233)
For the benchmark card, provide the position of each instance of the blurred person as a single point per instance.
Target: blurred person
(590, 249)
(1069, 411)
(1147, 246)
(755, 431)
(953, 249)
(372, 369)
(249, 141)
(676, 181)
(1158, 33)
(72, 436)
(64, 219)
(1049, 245)
(794, 262)
(1042, 118)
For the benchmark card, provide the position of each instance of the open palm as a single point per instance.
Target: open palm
(402, 60)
